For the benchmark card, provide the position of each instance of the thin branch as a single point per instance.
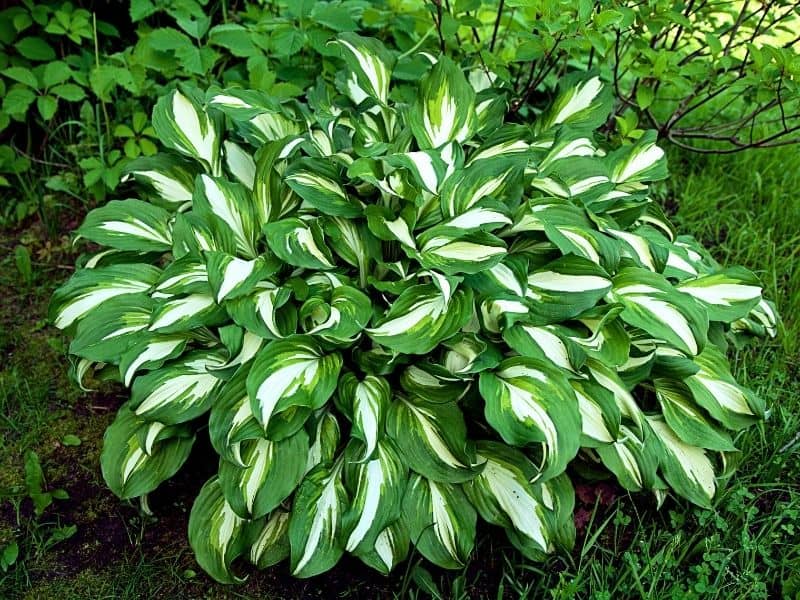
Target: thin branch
(496, 24)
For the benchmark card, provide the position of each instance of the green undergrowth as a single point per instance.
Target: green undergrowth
(743, 207)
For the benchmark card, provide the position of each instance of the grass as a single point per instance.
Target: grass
(742, 207)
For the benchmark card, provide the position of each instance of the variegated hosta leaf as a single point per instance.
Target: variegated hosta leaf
(291, 372)
(642, 161)
(503, 495)
(566, 287)
(687, 468)
(370, 62)
(232, 277)
(299, 243)
(420, 318)
(366, 404)
(376, 487)
(580, 102)
(187, 275)
(341, 319)
(171, 177)
(132, 467)
(687, 419)
(271, 472)
(113, 328)
(183, 313)
(440, 520)
(468, 187)
(432, 438)
(632, 459)
(714, 388)
(266, 311)
(90, 288)
(445, 107)
(390, 548)
(316, 181)
(529, 400)
(467, 354)
(449, 251)
(601, 417)
(325, 435)
(652, 304)
(216, 533)
(428, 167)
(149, 352)
(182, 124)
(271, 540)
(240, 164)
(180, 391)
(315, 527)
(129, 225)
(231, 207)
(231, 420)
(727, 295)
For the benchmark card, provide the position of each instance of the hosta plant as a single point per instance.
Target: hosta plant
(393, 317)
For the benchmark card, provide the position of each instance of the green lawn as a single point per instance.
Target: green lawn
(743, 207)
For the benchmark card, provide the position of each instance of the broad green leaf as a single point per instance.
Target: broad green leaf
(503, 495)
(316, 181)
(727, 295)
(371, 63)
(130, 468)
(420, 318)
(231, 419)
(440, 520)
(315, 526)
(231, 206)
(129, 225)
(445, 107)
(232, 277)
(89, 288)
(271, 543)
(291, 372)
(299, 243)
(366, 403)
(566, 287)
(377, 488)
(432, 438)
(653, 305)
(631, 460)
(113, 327)
(687, 419)
(183, 125)
(642, 161)
(180, 391)
(170, 177)
(271, 472)
(185, 313)
(528, 401)
(390, 548)
(579, 102)
(266, 312)
(149, 352)
(715, 389)
(216, 533)
(686, 468)
(240, 164)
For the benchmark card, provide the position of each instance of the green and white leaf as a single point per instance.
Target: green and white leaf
(291, 372)
(216, 533)
(315, 527)
(440, 521)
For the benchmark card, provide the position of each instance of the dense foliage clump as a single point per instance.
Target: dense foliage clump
(394, 315)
